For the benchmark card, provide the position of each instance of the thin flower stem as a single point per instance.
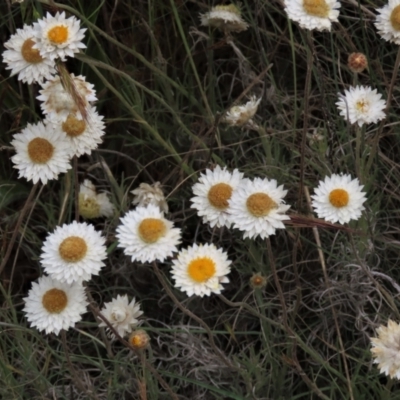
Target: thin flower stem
(375, 143)
(358, 141)
(17, 226)
(327, 283)
(95, 310)
(193, 316)
(76, 188)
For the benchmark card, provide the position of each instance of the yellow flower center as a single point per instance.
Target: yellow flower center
(88, 207)
(72, 249)
(73, 127)
(58, 34)
(395, 18)
(201, 269)
(362, 106)
(40, 150)
(339, 198)
(55, 300)
(260, 204)
(29, 54)
(316, 8)
(219, 194)
(151, 229)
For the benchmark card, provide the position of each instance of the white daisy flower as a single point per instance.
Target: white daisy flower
(93, 205)
(42, 153)
(386, 349)
(313, 14)
(361, 105)
(52, 305)
(339, 198)
(257, 208)
(200, 270)
(388, 21)
(84, 135)
(146, 235)
(58, 37)
(240, 115)
(73, 252)
(58, 102)
(212, 194)
(24, 60)
(121, 314)
(147, 194)
(227, 18)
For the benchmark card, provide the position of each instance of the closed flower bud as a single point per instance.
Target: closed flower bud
(357, 62)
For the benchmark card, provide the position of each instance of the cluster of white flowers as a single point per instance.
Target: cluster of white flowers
(72, 126)
(254, 206)
(71, 255)
(74, 252)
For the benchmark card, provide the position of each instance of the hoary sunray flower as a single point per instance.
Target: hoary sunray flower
(240, 115)
(52, 305)
(84, 135)
(313, 14)
(386, 349)
(25, 60)
(226, 18)
(42, 153)
(147, 194)
(58, 102)
(212, 194)
(339, 199)
(388, 21)
(73, 252)
(58, 37)
(121, 314)
(146, 235)
(200, 270)
(92, 204)
(361, 105)
(257, 208)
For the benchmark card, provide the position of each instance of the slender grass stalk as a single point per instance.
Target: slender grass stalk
(307, 88)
